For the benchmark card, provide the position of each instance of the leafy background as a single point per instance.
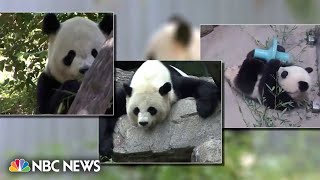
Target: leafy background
(257, 154)
(23, 52)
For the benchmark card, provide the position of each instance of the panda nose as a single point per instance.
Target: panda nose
(144, 123)
(83, 70)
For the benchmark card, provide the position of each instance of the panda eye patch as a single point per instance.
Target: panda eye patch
(94, 53)
(152, 110)
(284, 74)
(136, 111)
(67, 60)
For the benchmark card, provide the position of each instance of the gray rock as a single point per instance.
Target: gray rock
(170, 141)
(209, 151)
(207, 29)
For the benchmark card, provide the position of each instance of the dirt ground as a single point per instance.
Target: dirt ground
(231, 43)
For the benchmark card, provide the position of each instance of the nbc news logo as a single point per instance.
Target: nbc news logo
(21, 165)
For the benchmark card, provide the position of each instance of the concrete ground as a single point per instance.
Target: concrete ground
(231, 43)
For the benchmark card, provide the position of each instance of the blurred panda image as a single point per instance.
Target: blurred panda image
(176, 39)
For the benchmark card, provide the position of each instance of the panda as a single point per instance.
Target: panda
(73, 46)
(176, 39)
(148, 97)
(277, 85)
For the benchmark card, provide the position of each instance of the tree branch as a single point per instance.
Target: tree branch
(96, 91)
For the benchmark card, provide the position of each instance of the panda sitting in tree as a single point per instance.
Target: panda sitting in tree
(73, 46)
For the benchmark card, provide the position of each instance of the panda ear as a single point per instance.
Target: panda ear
(183, 31)
(163, 90)
(50, 24)
(127, 89)
(250, 54)
(309, 69)
(106, 25)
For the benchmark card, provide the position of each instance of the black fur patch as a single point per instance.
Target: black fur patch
(281, 48)
(136, 111)
(206, 94)
(152, 110)
(46, 87)
(284, 74)
(151, 56)
(127, 89)
(184, 30)
(309, 69)
(248, 75)
(67, 60)
(50, 24)
(106, 25)
(303, 86)
(106, 129)
(83, 70)
(163, 90)
(94, 53)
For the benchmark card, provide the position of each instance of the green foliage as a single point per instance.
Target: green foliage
(23, 53)
(276, 154)
(305, 11)
(23, 49)
(18, 102)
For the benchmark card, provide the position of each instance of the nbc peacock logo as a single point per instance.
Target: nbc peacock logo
(19, 165)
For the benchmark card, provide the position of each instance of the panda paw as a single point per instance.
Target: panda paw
(206, 108)
(231, 72)
(71, 85)
(274, 65)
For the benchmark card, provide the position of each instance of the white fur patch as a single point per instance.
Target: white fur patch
(255, 93)
(145, 84)
(290, 84)
(152, 73)
(78, 34)
(231, 74)
(164, 47)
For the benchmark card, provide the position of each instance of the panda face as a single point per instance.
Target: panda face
(73, 46)
(295, 80)
(147, 106)
(175, 40)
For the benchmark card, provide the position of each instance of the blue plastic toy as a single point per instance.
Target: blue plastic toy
(272, 53)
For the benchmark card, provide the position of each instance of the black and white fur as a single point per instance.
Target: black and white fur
(278, 86)
(73, 46)
(176, 39)
(148, 97)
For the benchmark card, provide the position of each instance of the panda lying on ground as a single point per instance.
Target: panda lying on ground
(176, 39)
(278, 86)
(73, 46)
(148, 98)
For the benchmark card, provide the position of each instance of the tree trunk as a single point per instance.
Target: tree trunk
(96, 91)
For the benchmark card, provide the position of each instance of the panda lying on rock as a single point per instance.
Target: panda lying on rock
(279, 86)
(73, 46)
(147, 99)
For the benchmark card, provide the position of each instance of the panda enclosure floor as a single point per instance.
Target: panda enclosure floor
(230, 44)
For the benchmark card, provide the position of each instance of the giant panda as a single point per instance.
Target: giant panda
(73, 46)
(148, 97)
(176, 39)
(277, 85)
